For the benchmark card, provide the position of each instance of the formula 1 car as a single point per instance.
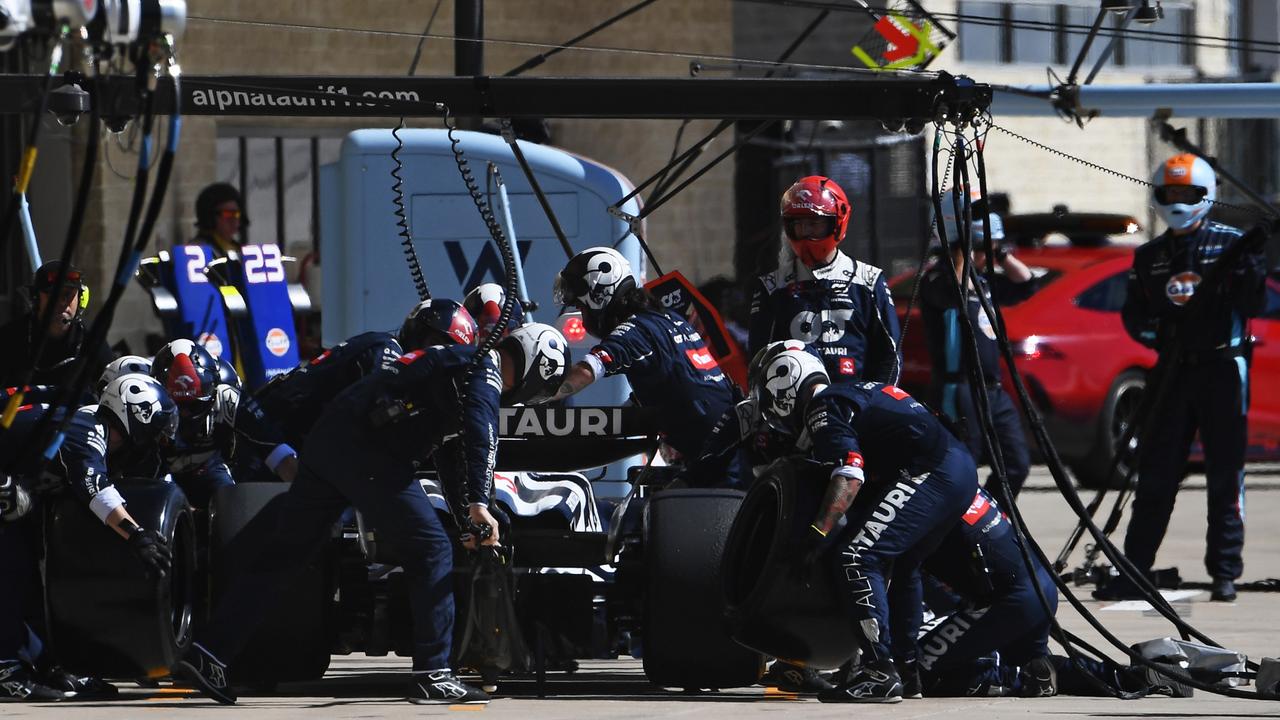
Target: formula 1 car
(648, 579)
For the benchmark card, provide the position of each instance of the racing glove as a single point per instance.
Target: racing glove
(15, 501)
(149, 547)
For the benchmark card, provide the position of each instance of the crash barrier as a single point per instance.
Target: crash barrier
(777, 604)
(687, 643)
(107, 617)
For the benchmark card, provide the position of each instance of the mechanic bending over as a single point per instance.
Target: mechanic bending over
(995, 641)
(277, 418)
(206, 427)
(484, 302)
(664, 359)
(922, 482)
(133, 416)
(362, 452)
(839, 305)
(951, 390)
(1209, 391)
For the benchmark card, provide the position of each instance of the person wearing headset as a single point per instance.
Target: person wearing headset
(64, 336)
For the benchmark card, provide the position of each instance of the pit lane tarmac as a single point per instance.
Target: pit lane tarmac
(371, 687)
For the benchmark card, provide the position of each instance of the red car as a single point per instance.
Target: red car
(1082, 370)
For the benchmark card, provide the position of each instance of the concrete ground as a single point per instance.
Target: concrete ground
(360, 687)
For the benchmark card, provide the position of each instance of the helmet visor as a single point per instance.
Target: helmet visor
(809, 227)
(1180, 194)
(566, 291)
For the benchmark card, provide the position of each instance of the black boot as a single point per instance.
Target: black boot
(18, 684)
(1224, 590)
(794, 678)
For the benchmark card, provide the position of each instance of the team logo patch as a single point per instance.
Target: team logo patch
(700, 358)
(847, 366)
(408, 358)
(277, 342)
(212, 343)
(976, 509)
(1181, 287)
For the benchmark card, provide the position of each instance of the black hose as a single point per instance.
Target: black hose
(402, 220)
(962, 210)
(137, 234)
(508, 264)
(1056, 469)
(41, 331)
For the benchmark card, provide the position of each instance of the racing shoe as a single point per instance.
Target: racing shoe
(80, 687)
(207, 673)
(19, 684)
(797, 679)
(1039, 678)
(1158, 684)
(1223, 590)
(909, 671)
(874, 682)
(443, 687)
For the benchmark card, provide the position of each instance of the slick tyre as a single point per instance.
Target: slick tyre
(106, 616)
(776, 605)
(293, 643)
(686, 642)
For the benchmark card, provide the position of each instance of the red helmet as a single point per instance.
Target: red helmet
(809, 198)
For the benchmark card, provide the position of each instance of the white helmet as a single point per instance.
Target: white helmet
(541, 356)
(782, 376)
(592, 278)
(140, 408)
(122, 365)
(485, 302)
(1180, 178)
(977, 231)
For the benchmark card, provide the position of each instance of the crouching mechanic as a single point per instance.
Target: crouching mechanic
(362, 451)
(663, 358)
(922, 481)
(133, 416)
(206, 429)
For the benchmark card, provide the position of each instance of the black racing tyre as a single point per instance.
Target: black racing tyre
(106, 616)
(686, 642)
(775, 605)
(293, 643)
(1123, 399)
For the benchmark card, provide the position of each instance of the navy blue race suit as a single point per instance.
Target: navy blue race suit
(670, 369)
(951, 387)
(1209, 391)
(198, 456)
(980, 560)
(277, 418)
(921, 480)
(363, 451)
(79, 465)
(842, 309)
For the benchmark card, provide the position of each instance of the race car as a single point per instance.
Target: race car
(643, 573)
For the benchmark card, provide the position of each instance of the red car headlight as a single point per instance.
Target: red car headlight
(1034, 347)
